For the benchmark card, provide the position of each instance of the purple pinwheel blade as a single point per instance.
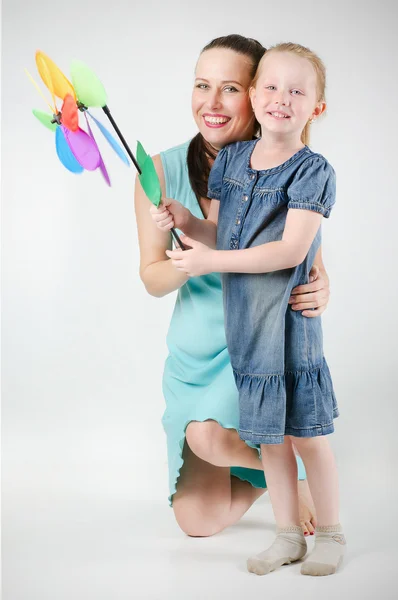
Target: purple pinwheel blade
(83, 148)
(102, 166)
(65, 154)
(111, 140)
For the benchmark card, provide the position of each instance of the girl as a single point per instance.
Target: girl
(269, 197)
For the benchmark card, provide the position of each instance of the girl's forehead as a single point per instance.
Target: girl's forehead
(287, 62)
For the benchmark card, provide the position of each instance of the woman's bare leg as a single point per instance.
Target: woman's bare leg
(208, 499)
(220, 447)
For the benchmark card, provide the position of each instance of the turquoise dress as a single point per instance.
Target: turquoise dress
(198, 383)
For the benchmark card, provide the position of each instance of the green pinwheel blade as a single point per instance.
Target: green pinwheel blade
(141, 154)
(149, 178)
(45, 119)
(88, 87)
(150, 182)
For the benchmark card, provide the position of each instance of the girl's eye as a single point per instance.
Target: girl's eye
(297, 93)
(270, 87)
(202, 86)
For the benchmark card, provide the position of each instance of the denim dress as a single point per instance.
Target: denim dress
(283, 380)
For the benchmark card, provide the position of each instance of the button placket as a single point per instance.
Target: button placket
(242, 210)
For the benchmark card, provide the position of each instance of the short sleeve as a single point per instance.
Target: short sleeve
(217, 174)
(313, 186)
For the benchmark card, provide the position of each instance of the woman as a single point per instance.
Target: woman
(214, 476)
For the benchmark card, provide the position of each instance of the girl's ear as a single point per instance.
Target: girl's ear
(252, 95)
(318, 110)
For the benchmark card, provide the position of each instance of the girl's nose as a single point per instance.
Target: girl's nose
(283, 99)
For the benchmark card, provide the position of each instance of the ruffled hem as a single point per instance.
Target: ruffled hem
(300, 403)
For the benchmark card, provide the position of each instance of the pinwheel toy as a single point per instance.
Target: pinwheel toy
(77, 149)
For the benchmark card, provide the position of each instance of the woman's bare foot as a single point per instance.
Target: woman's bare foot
(306, 508)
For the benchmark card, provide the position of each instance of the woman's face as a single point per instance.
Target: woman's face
(220, 102)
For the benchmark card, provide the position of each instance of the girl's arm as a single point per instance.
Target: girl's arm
(300, 230)
(156, 270)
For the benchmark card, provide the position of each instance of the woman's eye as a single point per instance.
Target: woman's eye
(202, 86)
(230, 88)
(270, 87)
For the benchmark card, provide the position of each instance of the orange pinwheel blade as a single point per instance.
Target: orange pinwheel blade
(70, 117)
(53, 77)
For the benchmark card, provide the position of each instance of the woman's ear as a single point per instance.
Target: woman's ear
(252, 96)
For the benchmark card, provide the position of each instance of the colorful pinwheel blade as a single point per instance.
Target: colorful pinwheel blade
(70, 117)
(102, 166)
(53, 77)
(141, 154)
(45, 119)
(65, 154)
(111, 140)
(149, 178)
(89, 88)
(83, 147)
(52, 108)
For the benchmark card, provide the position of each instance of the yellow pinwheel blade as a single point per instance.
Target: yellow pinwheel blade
(53, 77)
(52, 108)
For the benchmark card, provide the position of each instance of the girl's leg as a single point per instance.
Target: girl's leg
(208, 499)
(322, 476)
(280, 468)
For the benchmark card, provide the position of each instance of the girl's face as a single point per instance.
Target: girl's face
(220, 101)
(285, 95)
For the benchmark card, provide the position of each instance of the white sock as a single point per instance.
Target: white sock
(328, 552)
(289, 546)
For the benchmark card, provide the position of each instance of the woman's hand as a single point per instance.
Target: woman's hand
(170, 213)
(195, 261)
(312, 298)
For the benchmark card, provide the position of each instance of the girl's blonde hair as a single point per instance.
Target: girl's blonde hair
(319, 68)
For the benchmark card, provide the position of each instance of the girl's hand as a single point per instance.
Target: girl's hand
(194, 262)
(170, 213)
(313, 295)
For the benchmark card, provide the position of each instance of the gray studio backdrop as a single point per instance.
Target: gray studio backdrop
(83, 345)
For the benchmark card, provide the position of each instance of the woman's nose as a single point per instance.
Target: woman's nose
(214, 100)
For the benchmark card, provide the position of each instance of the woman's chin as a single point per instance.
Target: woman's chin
(216, 137)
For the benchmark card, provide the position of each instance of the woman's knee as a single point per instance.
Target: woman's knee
(205, 439)
(193, 521)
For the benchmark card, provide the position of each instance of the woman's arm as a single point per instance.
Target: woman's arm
(172, 213)
(156, 270)
(318, 262)
(312, 298)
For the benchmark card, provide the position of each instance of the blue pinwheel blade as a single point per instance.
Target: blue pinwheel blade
(115, 145)
(65, 154)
